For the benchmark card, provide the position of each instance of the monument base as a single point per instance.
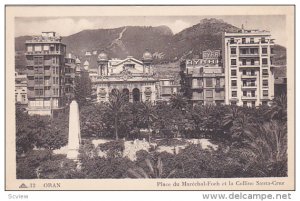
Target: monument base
(73, 154)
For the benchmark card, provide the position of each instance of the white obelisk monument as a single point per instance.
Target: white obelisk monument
(74, 132)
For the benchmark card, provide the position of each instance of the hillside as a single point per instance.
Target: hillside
(134, 40)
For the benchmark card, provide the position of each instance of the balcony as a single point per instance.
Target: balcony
(249, 55)
(249, 64)
(48, 62)
(44, 53)
(30, 72)
(249, 86)
(219, 87)
(30, 83)
(47, 73)
(48, 83)
(29, 62)
(196, 86)
(252, 76)
(249, 97)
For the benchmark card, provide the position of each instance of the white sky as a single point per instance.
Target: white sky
(65, 26)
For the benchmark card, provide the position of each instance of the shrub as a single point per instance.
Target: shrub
(114, 149)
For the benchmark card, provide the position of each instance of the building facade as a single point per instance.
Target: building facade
(203, 80)
(167, 88)
(130, 76)
(69, 77)
(247, 59)
(45, 56)
(21, 89)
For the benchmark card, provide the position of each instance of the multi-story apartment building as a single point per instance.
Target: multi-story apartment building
(21, 89)
(247, 59)
(167, 88)
(70, 68)
(45, 56)
(202, 80)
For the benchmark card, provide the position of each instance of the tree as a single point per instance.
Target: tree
(178, 101)
(265, 149)
(146, 115)
(115, 107)
(82, 89)
(278, 109)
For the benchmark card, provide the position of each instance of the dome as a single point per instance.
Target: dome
(77, 61)
(147, 55)
(102, 56)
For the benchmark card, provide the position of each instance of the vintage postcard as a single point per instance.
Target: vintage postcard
(150, 97)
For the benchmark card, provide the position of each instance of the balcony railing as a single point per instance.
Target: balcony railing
(249, 97)
(249, 55)
(249, 76)
(249, 64)
(44, 53)
(249, 86)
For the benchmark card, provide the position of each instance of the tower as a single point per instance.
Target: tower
(147, 61)
(102, 62)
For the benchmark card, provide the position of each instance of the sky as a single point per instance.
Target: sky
(66, 26)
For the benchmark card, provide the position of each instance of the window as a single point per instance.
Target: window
(217, 81)
(245, 103)
(265, 93)
(263, 40)
(233, 72)
(209, 94)
(234, 93)
(265, 61)
(251, 40)
(265, 72)
(264, 102)
(272, 50)
(244, 83)
(233, 83)
(38, 92)
(244, 93)
(252, 72)
(233, 50)
(38, 60)
(252, 93)
(252, 51)
(243, 40)
(244, 51)
(253, 103)
(209, 82)
(265, 83)
(38, 48)
(233, 102)
(264, 50)
(233, 62)
(244, 72)
(244, 62)
(252, 62)
(231, 40)
(46, 47)
(23, 97)
(29, 48)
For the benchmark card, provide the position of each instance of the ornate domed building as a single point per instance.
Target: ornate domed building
(131, 76)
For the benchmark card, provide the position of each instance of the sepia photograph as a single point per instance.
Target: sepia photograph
(132, 98)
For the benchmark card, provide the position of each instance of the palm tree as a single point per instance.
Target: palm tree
(236, 121)
(178, 101)
(115, 107)
(156, 171)
(147, 115)
(266, 144)
(278, 109)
